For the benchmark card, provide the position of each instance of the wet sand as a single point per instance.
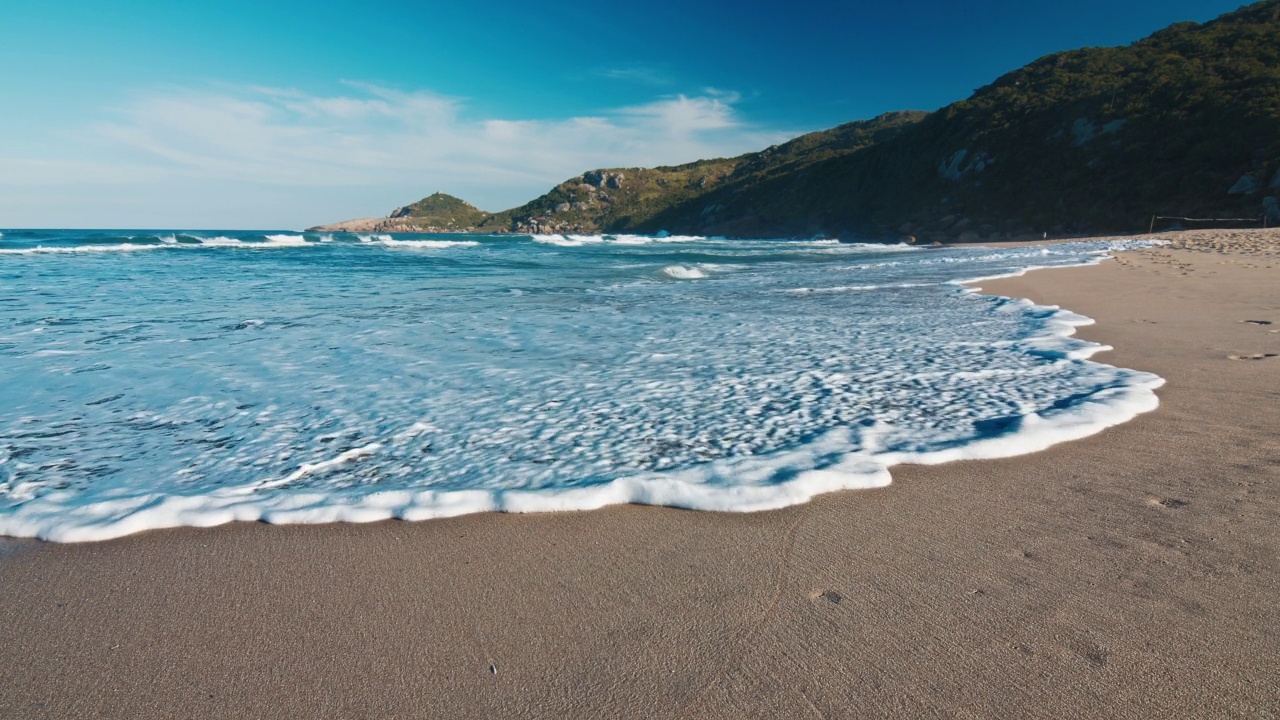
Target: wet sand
(1132, 574)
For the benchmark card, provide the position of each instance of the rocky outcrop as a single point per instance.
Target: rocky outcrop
(955, 168)
(1271, 211)
(603, 179)
(1246, 185)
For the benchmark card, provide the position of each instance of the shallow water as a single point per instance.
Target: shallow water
(193, 378)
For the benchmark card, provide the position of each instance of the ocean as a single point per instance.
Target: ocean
(160, 379)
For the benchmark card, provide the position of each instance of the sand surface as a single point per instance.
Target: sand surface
(1133, 574)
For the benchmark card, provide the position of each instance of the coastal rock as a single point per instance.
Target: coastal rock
(602, 179)
(943, 223)
(1275, 180)
(1271, 211)
(562, 207)
(969, 237)
(1082, 131)
(956, 167)
(1246, 185)
(1114, 126)
(950, 169)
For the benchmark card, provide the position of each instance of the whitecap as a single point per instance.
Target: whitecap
(683, 272)
(119, 247)
(568, 240)
(427, 244)
(287, 240)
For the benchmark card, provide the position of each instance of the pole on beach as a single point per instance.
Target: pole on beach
(1153, 225)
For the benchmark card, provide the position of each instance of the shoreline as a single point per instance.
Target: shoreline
(842, 462)
(1130, 573)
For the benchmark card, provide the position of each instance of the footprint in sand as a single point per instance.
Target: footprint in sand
(1170, 503)
(1256, 322)
(1255, 356)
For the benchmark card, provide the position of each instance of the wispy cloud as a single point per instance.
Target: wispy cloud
(370, 136)
(638, 74)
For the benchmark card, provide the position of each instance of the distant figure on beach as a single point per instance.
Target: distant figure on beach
(1046, 236)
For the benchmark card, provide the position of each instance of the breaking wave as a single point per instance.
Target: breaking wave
(350, 382)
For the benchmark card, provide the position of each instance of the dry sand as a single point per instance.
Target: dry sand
(1133, 574)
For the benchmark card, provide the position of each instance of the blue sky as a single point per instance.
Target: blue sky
(265, 114)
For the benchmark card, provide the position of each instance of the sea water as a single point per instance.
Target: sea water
(158, 379)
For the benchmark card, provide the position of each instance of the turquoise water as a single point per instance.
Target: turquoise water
(154, 379)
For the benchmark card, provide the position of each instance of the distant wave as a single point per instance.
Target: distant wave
(427, 244)
(290, 240)
(569, 240)
(683, 272)
(119, 247)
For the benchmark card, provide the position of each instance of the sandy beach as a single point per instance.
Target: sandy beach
(1132, 574)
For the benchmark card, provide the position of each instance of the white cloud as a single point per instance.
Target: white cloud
(370, 137)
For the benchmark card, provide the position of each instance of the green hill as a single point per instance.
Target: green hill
(441, 211)
(1185, 122)
(643, 199)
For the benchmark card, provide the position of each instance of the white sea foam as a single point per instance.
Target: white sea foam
(683, 272)
(43, 250)
(651, 239)
(306, 469)
(392, 397)
(851, 288)
(287, 240)
(427, 244)
(565, 240)
(568, 240)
